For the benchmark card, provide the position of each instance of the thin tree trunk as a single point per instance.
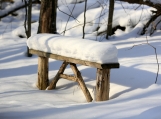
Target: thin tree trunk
(110, 18)
(28, 30)
(85, 8)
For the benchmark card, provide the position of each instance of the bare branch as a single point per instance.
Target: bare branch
(17, 8)
(69, 17)
(67, 14)
(156, 55)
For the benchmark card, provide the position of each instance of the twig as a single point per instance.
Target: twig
(67, 14)
(99, 17)
(155, 55)
(83, 23)
(69, 17)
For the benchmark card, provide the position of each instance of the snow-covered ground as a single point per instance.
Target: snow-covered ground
(133, 92)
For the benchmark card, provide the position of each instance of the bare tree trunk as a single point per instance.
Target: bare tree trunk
(47, 20)
(28, 30)
(110, 18)
(85, 8)
(47, 24)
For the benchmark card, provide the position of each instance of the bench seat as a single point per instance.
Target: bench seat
(72, 51)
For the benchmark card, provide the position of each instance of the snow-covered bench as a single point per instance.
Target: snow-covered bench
(100, 55)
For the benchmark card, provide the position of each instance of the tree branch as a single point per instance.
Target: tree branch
(8, 12)
(144, 2)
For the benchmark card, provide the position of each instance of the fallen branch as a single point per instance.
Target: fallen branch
(5, 13)
(144, 2)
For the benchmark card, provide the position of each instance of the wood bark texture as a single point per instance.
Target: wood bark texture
(57, 77)
(47, 20)
(28, 30)
(84, 25)
(102, 84)
(110, 18)
(43, 81)
(68, 77)
(81, 82)
(75, 61)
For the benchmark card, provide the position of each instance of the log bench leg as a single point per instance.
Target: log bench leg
(102, 84)
(57, 77)
(81, 82)
(43, 80)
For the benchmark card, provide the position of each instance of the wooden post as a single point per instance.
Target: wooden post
(57, 77)
(81, 82)
(47, 24)
(102, 84)
(43, 80)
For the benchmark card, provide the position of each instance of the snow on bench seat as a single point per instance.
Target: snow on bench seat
(77, 48)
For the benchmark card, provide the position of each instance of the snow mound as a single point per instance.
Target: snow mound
(100, 52)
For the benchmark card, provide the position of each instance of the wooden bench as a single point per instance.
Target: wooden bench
(102, 77)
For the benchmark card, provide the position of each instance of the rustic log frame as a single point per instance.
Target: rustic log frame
(102, 79)
(81, 82)
(43, 80)
(57, 77)
(76, 61)
(102, 84)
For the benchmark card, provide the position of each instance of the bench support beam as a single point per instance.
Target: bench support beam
(43, 80)
(57, 77)
(102, 84)
(81, 82)
(78, 78)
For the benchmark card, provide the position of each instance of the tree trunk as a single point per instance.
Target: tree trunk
(110, 18)
(28, 30)
(47, 20)
(85, 9)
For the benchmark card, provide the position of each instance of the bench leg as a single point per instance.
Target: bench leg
(43, 80)
(102, 84)
(57, 77)
(81, 82)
